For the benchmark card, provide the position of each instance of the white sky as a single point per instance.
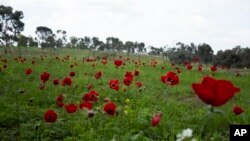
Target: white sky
(221, 23)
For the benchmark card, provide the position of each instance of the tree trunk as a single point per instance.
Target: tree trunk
(9, 49)
(19, 49)
(5, 49)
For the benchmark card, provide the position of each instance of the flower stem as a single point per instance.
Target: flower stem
(212, 109)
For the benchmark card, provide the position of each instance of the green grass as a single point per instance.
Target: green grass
(21, 116)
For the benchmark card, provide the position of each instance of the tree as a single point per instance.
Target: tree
(51, 42)
(245, 57)
(81, 44)
(22, 41)
(205, 53)
(61, 38)
(155, 51)
(140, 47)
(237, 57)
(87, 41)
(102, 46)
(10, 26)
(32, 42)
(181, 53)
(95, 43)
(45, 36)
(73, 41)
(114, 44)
(128, 46)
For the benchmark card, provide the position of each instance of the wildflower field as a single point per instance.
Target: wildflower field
(75, 95)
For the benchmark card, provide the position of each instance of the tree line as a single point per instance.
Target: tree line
(238, 57)
(11, 26)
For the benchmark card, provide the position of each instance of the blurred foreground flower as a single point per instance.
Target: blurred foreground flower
(215, 92)
(186, 133)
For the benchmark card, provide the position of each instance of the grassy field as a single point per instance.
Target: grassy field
(23, 104)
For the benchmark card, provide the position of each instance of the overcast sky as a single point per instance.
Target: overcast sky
(221, 23)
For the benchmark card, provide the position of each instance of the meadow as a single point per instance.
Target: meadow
(145, 108)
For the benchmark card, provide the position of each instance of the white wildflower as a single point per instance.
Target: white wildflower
(193, 139)
(187, 132)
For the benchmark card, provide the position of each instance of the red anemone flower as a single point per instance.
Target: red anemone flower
(200, 68)
(98, 75)
(86, 104)
(137, 72)
(189, 66)
(56, 82)
(60, 104)
(72, 74)
(50, 116)
(28, 71)
(170, 78)
(44, 77)
(89, 87)
(213, 68)
(118, 63)
(114, 84)
(129, 74)
(104, 61)
(139, 84)
(67, 81)
(91, 96)
(215, 92)
(71, 108)
(156, 119)
(110, 108)
(237, 110)
(178, 70)
(60, 98)
(128, 81)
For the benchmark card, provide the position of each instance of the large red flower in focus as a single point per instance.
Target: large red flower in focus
(71, 108)
(44, 77)
(170, 78)
(67, 81)
(110, 108)
(50, 116)
(114, 84)
(118, 63)
(215, 92)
